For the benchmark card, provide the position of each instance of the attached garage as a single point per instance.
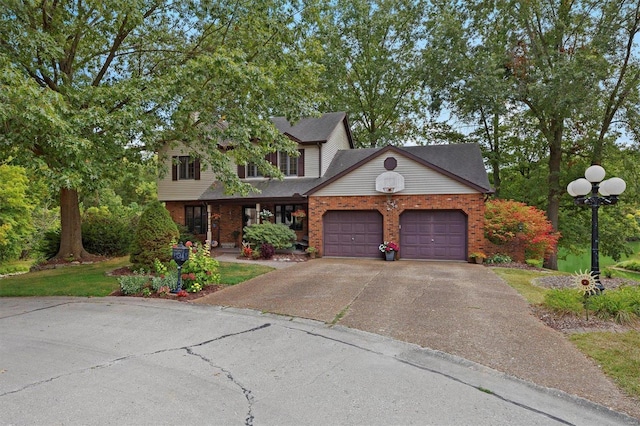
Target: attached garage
(433, 234)
(352, 233)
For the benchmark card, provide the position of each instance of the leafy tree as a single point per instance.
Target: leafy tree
(373, 68)
(15, 211)
(570, 66)
(506, 220)
(84, 85)
(153, 238)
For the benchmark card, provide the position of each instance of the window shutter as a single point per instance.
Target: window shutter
(301, 162)
(241, 171)
(174, 168)
(273, 158)
(196, 169)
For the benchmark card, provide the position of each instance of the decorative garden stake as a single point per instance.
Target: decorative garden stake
(180, 255)
(586, 283)
(609, 191)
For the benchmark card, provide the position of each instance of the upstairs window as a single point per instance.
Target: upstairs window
(184, 167)
(288, 165)
(252, 170)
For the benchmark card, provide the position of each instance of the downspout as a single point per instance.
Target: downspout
(320, 159)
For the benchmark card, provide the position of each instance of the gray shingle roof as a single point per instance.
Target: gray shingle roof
(462, 162)
(270, 189)
(315, 129)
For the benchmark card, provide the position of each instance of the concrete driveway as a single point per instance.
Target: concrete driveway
(458, 308)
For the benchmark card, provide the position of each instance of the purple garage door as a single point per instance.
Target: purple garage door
(433, 234)
(352, 233)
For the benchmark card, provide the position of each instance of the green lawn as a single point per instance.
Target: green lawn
(572, 263)
(617, 353)
(92, 281)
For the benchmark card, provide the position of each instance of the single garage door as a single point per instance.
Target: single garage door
(352, 233)
(433, 234)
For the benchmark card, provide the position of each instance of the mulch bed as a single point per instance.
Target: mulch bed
(570, 323)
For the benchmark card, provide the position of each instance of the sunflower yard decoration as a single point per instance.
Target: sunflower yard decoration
(585, 282)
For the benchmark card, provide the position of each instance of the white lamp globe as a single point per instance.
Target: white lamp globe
(581, 187)
(570, 190)
(595, 173)
(603, 188)
(615, 186)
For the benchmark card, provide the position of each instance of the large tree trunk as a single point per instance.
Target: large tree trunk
(555, 191)
(71, 231)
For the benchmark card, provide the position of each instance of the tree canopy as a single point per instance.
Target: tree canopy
(86, 84)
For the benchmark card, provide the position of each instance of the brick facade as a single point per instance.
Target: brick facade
(226, 223)
(392, 206)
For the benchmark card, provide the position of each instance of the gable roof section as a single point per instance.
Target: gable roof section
(461, 162)
(314, 130)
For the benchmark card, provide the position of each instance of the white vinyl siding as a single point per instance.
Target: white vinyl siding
(181, 190)
(337, 141)
(418, 179)
(311, 161)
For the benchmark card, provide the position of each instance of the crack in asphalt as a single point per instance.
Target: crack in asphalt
(37, 309)
(246, 392)
(188, 349)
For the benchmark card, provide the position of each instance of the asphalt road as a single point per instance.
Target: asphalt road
(140, 361)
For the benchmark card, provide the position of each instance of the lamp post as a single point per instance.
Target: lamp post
(603, 193)
(180, 254)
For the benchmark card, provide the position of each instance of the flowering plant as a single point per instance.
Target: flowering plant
(299, 213)
(265, 214)
(389, 246)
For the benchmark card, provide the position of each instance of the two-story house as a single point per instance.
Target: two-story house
(429, 199)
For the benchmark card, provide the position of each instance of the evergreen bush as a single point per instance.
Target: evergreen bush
(106, 233)
(154, 235)
(278, 235)
(50, 243)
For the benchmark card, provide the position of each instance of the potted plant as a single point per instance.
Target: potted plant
(477, 257)
(389, 248)
(311, 251)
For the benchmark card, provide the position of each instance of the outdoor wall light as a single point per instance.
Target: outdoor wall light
(592, 191)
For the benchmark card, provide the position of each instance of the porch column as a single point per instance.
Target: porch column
(258, 213)
(209, 234)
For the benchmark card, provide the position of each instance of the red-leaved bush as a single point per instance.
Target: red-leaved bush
(507, 219)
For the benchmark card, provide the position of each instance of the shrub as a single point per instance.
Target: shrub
(153, 238)
(632, 265)
(276, 234)
(564, 301)
(169, 280)
(201, 269)
(506, 220)
(267, 251)
(16, 224)
(133, 284)
(620, 304)
(498, 258)
(107, 233)
(50, 243)
(536, 263)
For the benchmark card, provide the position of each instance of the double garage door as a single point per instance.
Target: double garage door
(424, 234)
